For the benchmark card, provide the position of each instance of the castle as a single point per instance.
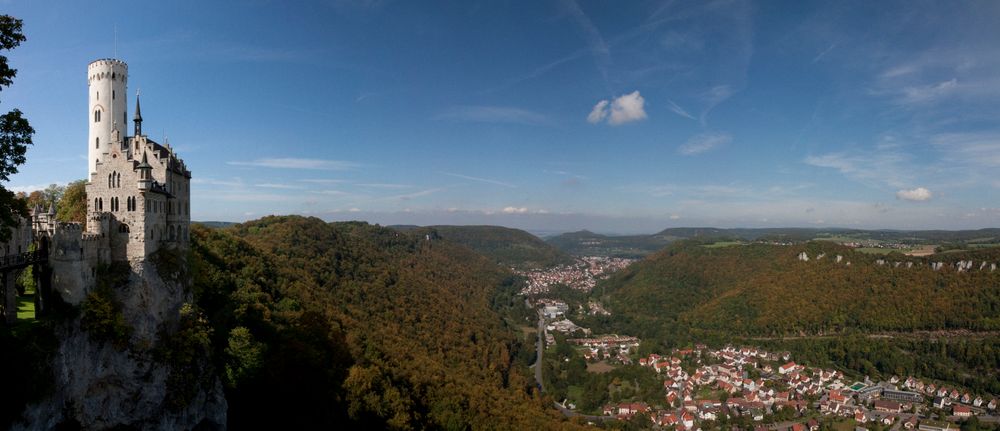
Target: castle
(138, 193)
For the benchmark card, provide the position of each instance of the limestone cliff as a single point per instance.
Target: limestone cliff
(142, 364)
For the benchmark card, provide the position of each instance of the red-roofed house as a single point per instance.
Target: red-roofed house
(960, 410)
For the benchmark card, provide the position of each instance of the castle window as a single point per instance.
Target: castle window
(112, 94)
(98, 95)
(97, 116)
(97, 142)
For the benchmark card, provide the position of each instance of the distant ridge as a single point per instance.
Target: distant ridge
(589, 243)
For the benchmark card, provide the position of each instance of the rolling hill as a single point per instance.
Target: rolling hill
(764, 290)
(505, 246)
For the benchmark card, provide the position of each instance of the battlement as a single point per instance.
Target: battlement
(107, 68)
(70, 226)
(100, 62)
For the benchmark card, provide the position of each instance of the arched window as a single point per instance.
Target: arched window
(97, 116)
(118, 179)
(109, 181)
(100, 204)
(95, 205)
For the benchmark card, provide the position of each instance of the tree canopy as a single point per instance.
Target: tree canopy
(15, 132)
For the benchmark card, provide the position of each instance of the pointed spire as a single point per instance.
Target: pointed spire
(138, 115)
(52, 209)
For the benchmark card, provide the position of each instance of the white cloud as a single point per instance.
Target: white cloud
(599, 113)
(704, 142)
(623, 109)
(627, 108)
(294, 163)
(918, 194)
(675, 217)
(515, 210)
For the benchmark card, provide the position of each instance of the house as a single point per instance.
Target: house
(812, 425)
(860, 416)
(888, 419)
(630, 409)
(787, 368)
(961, 411)
(966, 398)
(798, 427)
(910, 423)
(887, 406)
(978, 401)
(687, 419)
(992, 405)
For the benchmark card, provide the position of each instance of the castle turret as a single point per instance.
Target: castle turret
(145, 174)
(107, 81)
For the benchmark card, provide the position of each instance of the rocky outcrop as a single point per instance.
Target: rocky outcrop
(101, 384)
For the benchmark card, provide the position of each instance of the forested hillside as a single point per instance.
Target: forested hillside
(321, 325)
(505, 246)
(764, 290)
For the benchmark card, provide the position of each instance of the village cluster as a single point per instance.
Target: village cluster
(702, 385)
(582, 275)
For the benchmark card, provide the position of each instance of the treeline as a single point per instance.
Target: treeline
(347, 324)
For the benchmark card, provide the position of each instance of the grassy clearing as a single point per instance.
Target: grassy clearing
(721, 244)
(875, 250)
(600, 367)
(26, 305)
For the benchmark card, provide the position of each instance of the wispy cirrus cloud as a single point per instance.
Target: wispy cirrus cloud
(297, 163)
(492, 114)
(704, 142)
(972, 148)
(877, 169)
(675, 108)
(278, 186)
(385, 186)
(597, 45)
(478, 179)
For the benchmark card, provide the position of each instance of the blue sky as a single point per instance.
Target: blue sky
(545, 115)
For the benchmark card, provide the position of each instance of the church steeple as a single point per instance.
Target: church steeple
(138, 116)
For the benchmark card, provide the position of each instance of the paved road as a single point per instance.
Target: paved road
(539, 347)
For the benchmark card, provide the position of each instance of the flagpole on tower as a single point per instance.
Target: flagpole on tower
(116, 41)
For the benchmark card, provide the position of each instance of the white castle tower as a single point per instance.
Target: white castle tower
(107, 82)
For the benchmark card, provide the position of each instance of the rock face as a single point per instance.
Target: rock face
(99, 385)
